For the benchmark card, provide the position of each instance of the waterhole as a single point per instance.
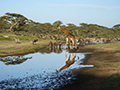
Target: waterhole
(46, 69)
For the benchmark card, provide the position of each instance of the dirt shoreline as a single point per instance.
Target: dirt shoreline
(35, 50)
(105, 64)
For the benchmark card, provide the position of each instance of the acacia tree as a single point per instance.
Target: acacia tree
(4, 24)
(117, 26)
(14, 19)
(56, 23)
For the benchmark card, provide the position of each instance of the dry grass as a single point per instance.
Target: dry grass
(12, 48)
(106, 46)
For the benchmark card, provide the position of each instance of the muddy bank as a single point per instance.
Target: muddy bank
(94, 78)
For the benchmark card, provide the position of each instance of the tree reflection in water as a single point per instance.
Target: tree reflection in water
(13, 60)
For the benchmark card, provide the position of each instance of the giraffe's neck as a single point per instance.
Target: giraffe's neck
(65, 31)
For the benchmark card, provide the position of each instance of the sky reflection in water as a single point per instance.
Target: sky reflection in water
(39, 64)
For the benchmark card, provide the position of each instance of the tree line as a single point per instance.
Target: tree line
(13, 22)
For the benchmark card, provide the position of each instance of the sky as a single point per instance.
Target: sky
(102, 12)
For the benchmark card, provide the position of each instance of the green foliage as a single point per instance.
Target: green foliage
(4, 24)
(27, 37)
(93, 30)
(19, 23)
(57, 23)
(115, 64)
(100, 63)
(117, 26)
(3, 38)
(15, 20)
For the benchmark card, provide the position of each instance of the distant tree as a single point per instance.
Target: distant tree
(117, 26)
(56, 23)
(14, 19)
(83, 24)
(33, 22)
(71, 25)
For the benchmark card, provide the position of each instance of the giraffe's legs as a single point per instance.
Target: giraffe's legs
(66, 42)
(72, 43)
(69, 43)
(75, 45)
(69, 36)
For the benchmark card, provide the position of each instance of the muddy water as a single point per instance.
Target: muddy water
(46, 69)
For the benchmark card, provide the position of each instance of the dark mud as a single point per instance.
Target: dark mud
(94, 78)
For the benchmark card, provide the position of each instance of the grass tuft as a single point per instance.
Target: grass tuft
(100, 63)
(115, 64)
(114, 79)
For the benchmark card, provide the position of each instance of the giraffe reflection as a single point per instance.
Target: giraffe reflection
(69, 61)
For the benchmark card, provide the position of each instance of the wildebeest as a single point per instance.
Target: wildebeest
(34, 41)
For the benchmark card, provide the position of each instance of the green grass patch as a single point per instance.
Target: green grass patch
(114, 64)
(117, 53)
(111, 64)
(25, 47)
(3, 38)
(106, 46)
(11, 37)
(100, 63)
(114, 79)
(103, 50)
(27, 37)
(4, 52)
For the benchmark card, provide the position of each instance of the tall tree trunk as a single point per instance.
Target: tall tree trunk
(13, 25)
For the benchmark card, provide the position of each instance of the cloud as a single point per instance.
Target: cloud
(87, 6)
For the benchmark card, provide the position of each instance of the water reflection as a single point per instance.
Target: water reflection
(55, 49)
(69, 61)
(50, 50)
(39, 69)
(13, 60)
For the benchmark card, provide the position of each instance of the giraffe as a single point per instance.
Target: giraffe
(68, 61)
(69, 38)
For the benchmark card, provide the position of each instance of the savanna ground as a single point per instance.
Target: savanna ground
(105, 75)
(8, 46)
(11, 48)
